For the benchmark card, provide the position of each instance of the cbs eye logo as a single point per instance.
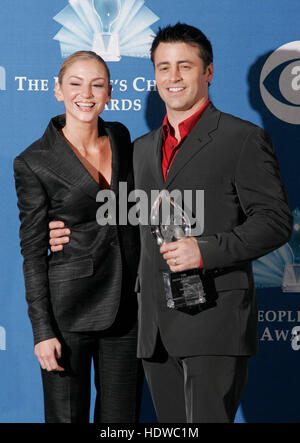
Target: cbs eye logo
(280, 83)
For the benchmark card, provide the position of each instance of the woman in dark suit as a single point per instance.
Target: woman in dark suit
(81, 300)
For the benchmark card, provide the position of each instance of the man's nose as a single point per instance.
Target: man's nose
(175, 74)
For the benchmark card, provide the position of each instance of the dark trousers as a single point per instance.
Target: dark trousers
(117, 378)
(201, 389)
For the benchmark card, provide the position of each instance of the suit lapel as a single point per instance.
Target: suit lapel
(114, 143)
(68, 166)
(200, 136)
(157, 158)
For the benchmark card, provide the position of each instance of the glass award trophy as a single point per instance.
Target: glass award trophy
(169, 222)
(291, 276)
(106, 43)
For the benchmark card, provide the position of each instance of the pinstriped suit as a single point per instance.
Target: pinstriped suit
(81, 290)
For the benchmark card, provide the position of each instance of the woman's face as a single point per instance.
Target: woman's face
(84, 90)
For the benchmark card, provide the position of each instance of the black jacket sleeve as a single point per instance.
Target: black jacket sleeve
(33, 206)
(262, 197)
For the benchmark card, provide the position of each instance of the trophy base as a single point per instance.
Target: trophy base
(184, 289)
(291, 278)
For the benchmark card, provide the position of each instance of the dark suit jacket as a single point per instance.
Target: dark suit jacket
(246, 215)
(79, 288)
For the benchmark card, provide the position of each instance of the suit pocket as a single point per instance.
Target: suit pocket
(231, 280)
(206, 180)
(72, 270)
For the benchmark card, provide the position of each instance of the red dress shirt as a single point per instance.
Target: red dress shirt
(171, 145)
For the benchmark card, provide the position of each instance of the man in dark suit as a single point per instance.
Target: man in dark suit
(196, 362)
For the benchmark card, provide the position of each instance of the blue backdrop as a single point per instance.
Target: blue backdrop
(257, 77)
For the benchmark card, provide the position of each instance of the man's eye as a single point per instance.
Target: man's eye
(98, 86)
(75, 84)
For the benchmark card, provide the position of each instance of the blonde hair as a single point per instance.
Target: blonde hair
(80, 55)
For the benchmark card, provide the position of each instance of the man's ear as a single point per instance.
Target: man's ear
(209, 72)
(58, 92)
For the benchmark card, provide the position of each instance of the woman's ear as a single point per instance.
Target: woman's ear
(58, 92)
(109, 93)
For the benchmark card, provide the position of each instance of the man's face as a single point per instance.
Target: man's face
(181, 79)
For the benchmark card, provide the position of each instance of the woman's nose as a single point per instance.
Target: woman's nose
(86, 91)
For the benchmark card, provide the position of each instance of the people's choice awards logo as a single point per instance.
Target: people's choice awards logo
(2, 79)
(285, 102)
(111, 28)
(281, 268)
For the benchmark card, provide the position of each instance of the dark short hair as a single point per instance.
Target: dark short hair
(182, 33)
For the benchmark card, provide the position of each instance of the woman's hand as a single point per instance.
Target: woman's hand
(47, 352)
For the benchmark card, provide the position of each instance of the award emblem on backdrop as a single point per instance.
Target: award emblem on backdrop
(111, 28)
(291, 276)
(106, 43)
(169, 222)
(281, 268)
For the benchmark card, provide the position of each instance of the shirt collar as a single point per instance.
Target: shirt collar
(186, 125)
